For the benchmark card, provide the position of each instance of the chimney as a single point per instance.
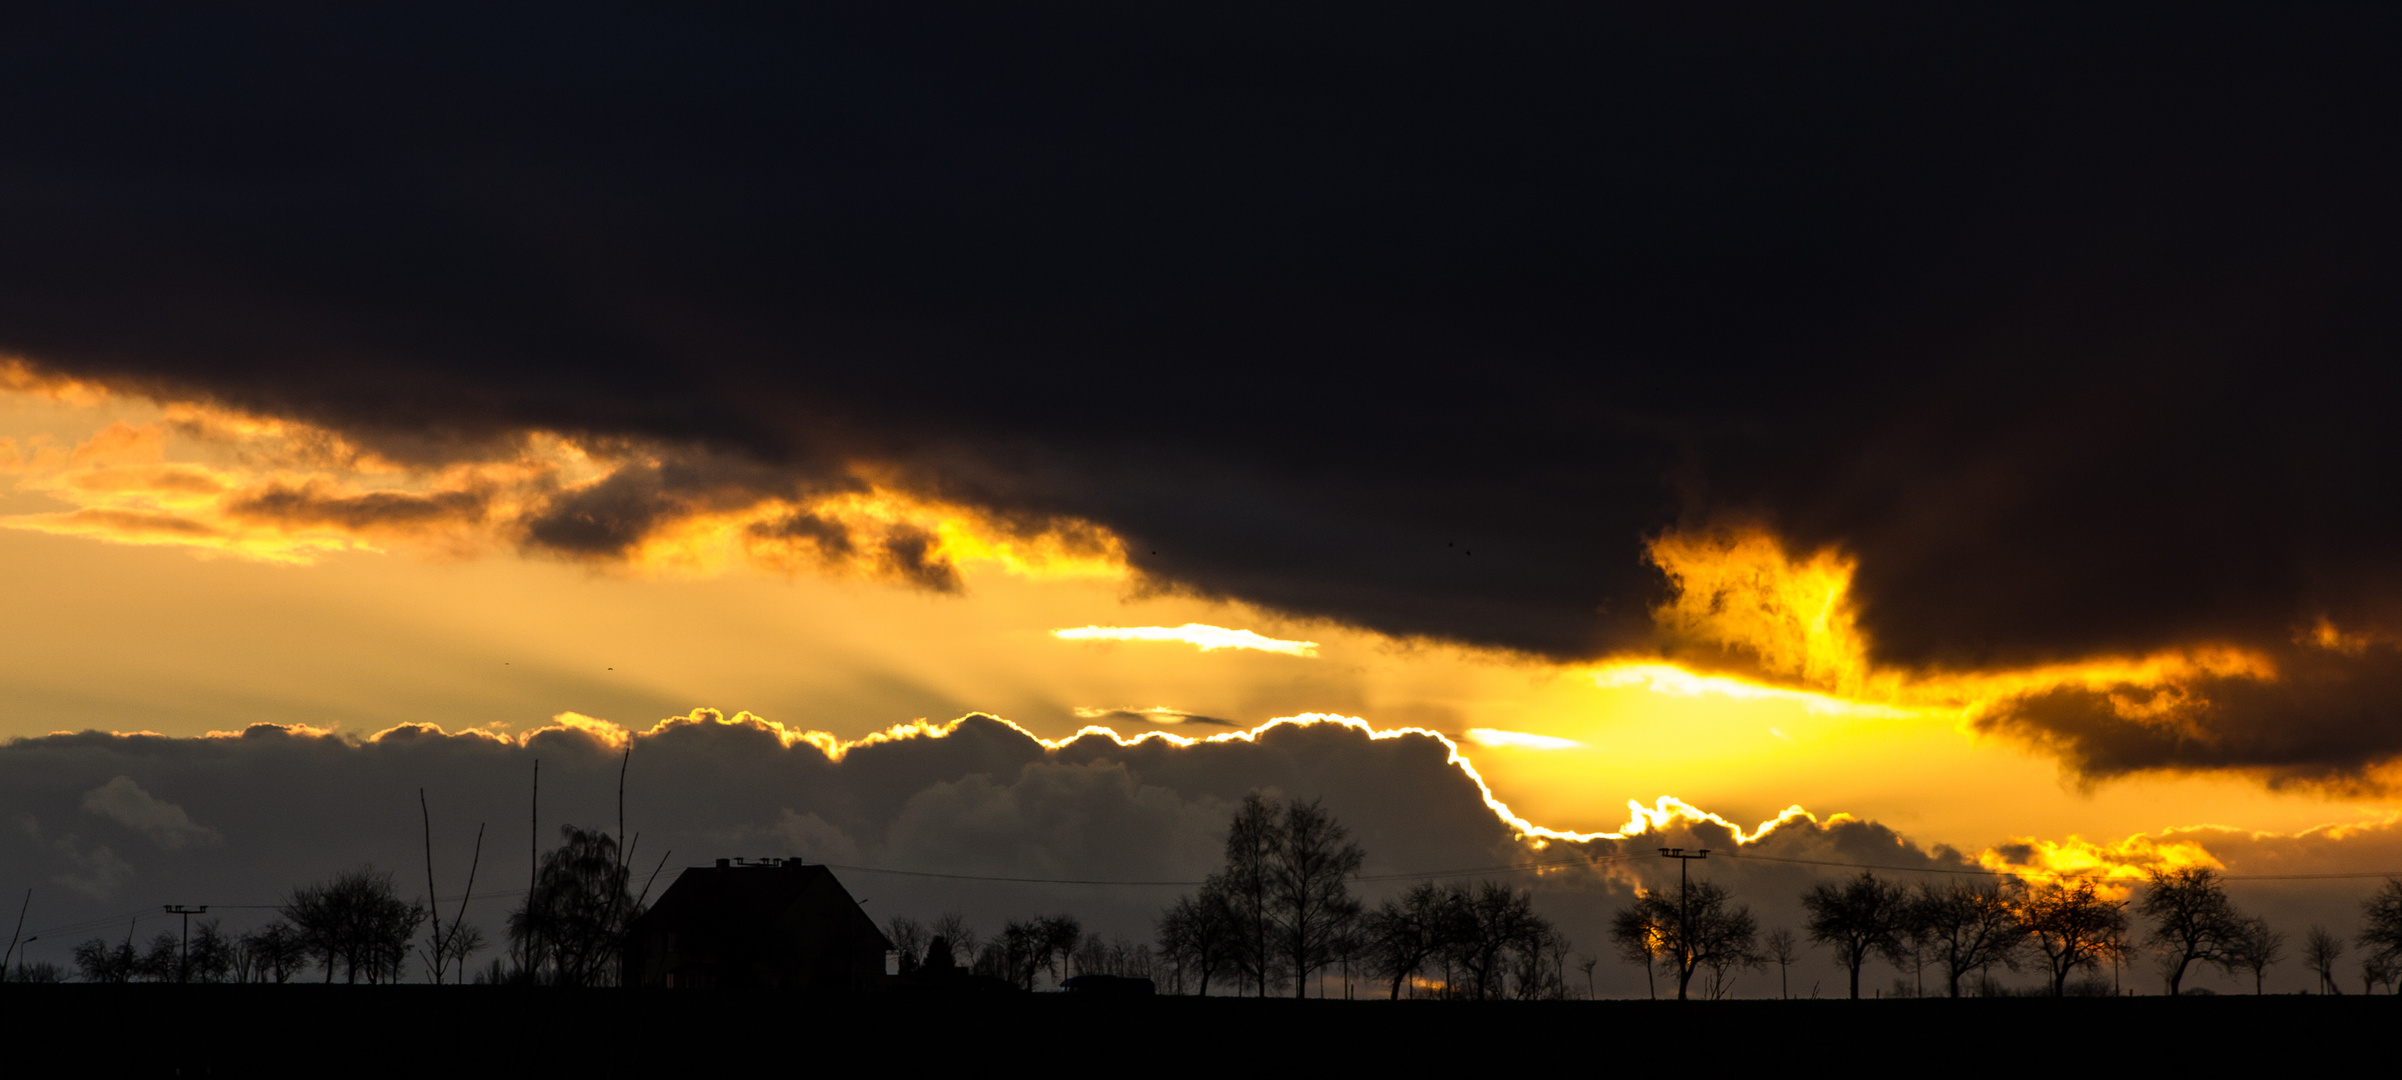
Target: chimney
(722, 864)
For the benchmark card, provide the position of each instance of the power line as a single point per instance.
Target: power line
(1415, 876)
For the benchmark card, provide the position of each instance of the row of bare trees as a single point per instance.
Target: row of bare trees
(1280, 913)
(1964, 930)
(356, 926)
(1051, 944)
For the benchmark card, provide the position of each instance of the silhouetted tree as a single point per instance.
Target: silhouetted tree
(2320, 950)
(1641, 938)
(273, 953)
(357, 921)
(1402, 935)
(1539, 963)
(571, 927)
(2074, 928)
(1780, 948)
(1202, 934)
(2381, 915)
(209, 958)
(97, 961)
(908, 941)
(1863, 917)
(2192, 920)
(1017, 954)
(461, 940)
(1484, 924)
(1966, 927)
(1697, 926)
(952, 927)
(1118, 956)
(2254, 949)
(1059, 935)
(43, 972)
(1309, 896)
(162, 961)
(1249, 881)
(939, 958)
(2375, 971)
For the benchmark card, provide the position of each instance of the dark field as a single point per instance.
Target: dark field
(425, 1031)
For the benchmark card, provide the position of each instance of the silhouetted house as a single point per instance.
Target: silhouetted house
(779, 923)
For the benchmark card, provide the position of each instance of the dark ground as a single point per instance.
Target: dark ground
(73, 1030)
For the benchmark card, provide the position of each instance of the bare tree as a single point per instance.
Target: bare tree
(1310, 902)
(1403, 935)
(1059, 935)
(2382, 915)
(210, 956)
(1202, 934)
(358, 921)
(1698, 926)
(1018, 953)
(2192, 921)
(1780, 948)
(2074, 928)
(275, 952)
(571, 927)
(2320, 950)
(1586, 964)
(97, 961)
(952, 927)
(1641, 938)
(2254, 949)
(1967, 927)
(908, 941)
(1251, 842)
(2376, 971)
(1481, 926)
(1863, 917)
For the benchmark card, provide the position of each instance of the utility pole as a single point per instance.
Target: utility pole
(183, 964)
(12, 937)
(1684, 910)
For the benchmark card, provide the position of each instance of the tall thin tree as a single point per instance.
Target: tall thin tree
(1311, 902)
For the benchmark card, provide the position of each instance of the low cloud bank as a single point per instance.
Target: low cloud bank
(115, 825)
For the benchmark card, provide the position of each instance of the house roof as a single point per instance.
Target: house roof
(732, 893)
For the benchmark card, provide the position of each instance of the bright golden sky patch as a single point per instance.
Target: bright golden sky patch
(1205, 638)
(1521, 740)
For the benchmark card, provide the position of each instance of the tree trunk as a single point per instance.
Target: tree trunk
(2176, 975)
(1856, 965)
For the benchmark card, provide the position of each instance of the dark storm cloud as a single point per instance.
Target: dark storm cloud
(2325, 715)
(2072, 329)
(290, 504)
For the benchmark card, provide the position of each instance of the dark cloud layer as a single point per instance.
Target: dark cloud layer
(2074, 329)
(101, 825)
(2326, 714)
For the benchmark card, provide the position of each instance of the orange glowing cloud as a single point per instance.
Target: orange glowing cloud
(223, 482)
(1743, 601)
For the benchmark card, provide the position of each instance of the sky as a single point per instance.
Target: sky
(940, 437)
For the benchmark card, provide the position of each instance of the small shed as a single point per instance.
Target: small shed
(778, 923)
